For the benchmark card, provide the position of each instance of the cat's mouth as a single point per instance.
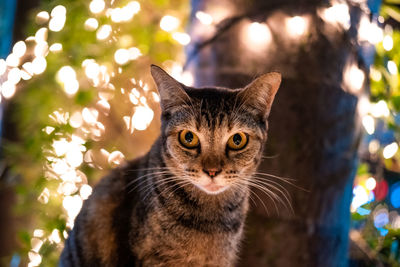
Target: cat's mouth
(212, 188)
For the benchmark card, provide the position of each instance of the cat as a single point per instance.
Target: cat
(184, 203)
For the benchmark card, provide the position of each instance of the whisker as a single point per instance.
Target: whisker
(283, 179)
(272, 195)
(284, 193)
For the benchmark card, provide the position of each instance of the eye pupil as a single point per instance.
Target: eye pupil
(189, 137)
(237, 139)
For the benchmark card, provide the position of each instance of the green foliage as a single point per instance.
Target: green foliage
(31, 152)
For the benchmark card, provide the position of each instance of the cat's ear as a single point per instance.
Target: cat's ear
(259, 94)
(171, 91)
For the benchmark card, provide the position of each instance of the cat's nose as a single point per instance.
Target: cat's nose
(212, 172)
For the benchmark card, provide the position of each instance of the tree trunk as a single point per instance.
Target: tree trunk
(314, 127)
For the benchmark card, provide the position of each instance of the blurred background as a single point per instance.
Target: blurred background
(77, 100)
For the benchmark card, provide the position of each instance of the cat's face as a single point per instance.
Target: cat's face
(213, 137)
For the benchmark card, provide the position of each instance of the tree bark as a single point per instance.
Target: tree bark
(314, 127)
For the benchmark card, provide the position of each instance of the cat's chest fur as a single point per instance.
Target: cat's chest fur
(176, 244)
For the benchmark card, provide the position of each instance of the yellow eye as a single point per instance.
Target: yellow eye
(237, 141)
(188, 139)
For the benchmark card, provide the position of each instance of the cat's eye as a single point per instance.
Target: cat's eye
(188, 139)
(237, 141)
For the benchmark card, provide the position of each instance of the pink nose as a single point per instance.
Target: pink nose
(212, 172)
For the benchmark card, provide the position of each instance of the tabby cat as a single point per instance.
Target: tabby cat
(185, 202)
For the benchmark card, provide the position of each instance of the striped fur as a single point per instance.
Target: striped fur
(151, 211)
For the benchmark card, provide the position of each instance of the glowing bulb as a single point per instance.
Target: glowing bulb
(116, 158)
(204, 18)
(56, 47)
(58, 17)
(55, 236)
(71, 87)
(369, 124)
(116, 15)
(103, 32)
(91, 24)
(373, 146)
(337, 14)
(90, 115)
(133, 7)
(72, 204)
(39, 65)
(74, 157)
(41, 49)
(360, 197)
(169, 23)
(354, 78)
(392, 68)
(380, 109)
(59, 10)
(60, 147)
(182, 38)
(390, 150)
(66, 74)
(14, 76)
(38, 233)
(85, 191)
(41, 35)
(76, 120)
(134, 53)
(296, 26)
(370, 184)
(42, 17)
(97, 6)
(369, 31)
(8, 89)
(19, 49)
(121, 56)
(387, 43)
(12, 60)
(142, 118)
(258, 34)
(35, 258)
(92, 69)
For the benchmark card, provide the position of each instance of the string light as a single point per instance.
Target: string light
(103, 32)
(370, 183)
(296, 26)
(369, 124)
(39, 65)
(8, 89)
(169, 23)
(42, 17)
(19, 49)
(354, 78)
(58, 18)
(387, 43)
(338, 15)
(91, 24)
(380, 109)
(390, 150)
(121, 56)
(258, 35)
(369, 31)
(97, 6)
(204, 18)
(182, 38)
(392, 67)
